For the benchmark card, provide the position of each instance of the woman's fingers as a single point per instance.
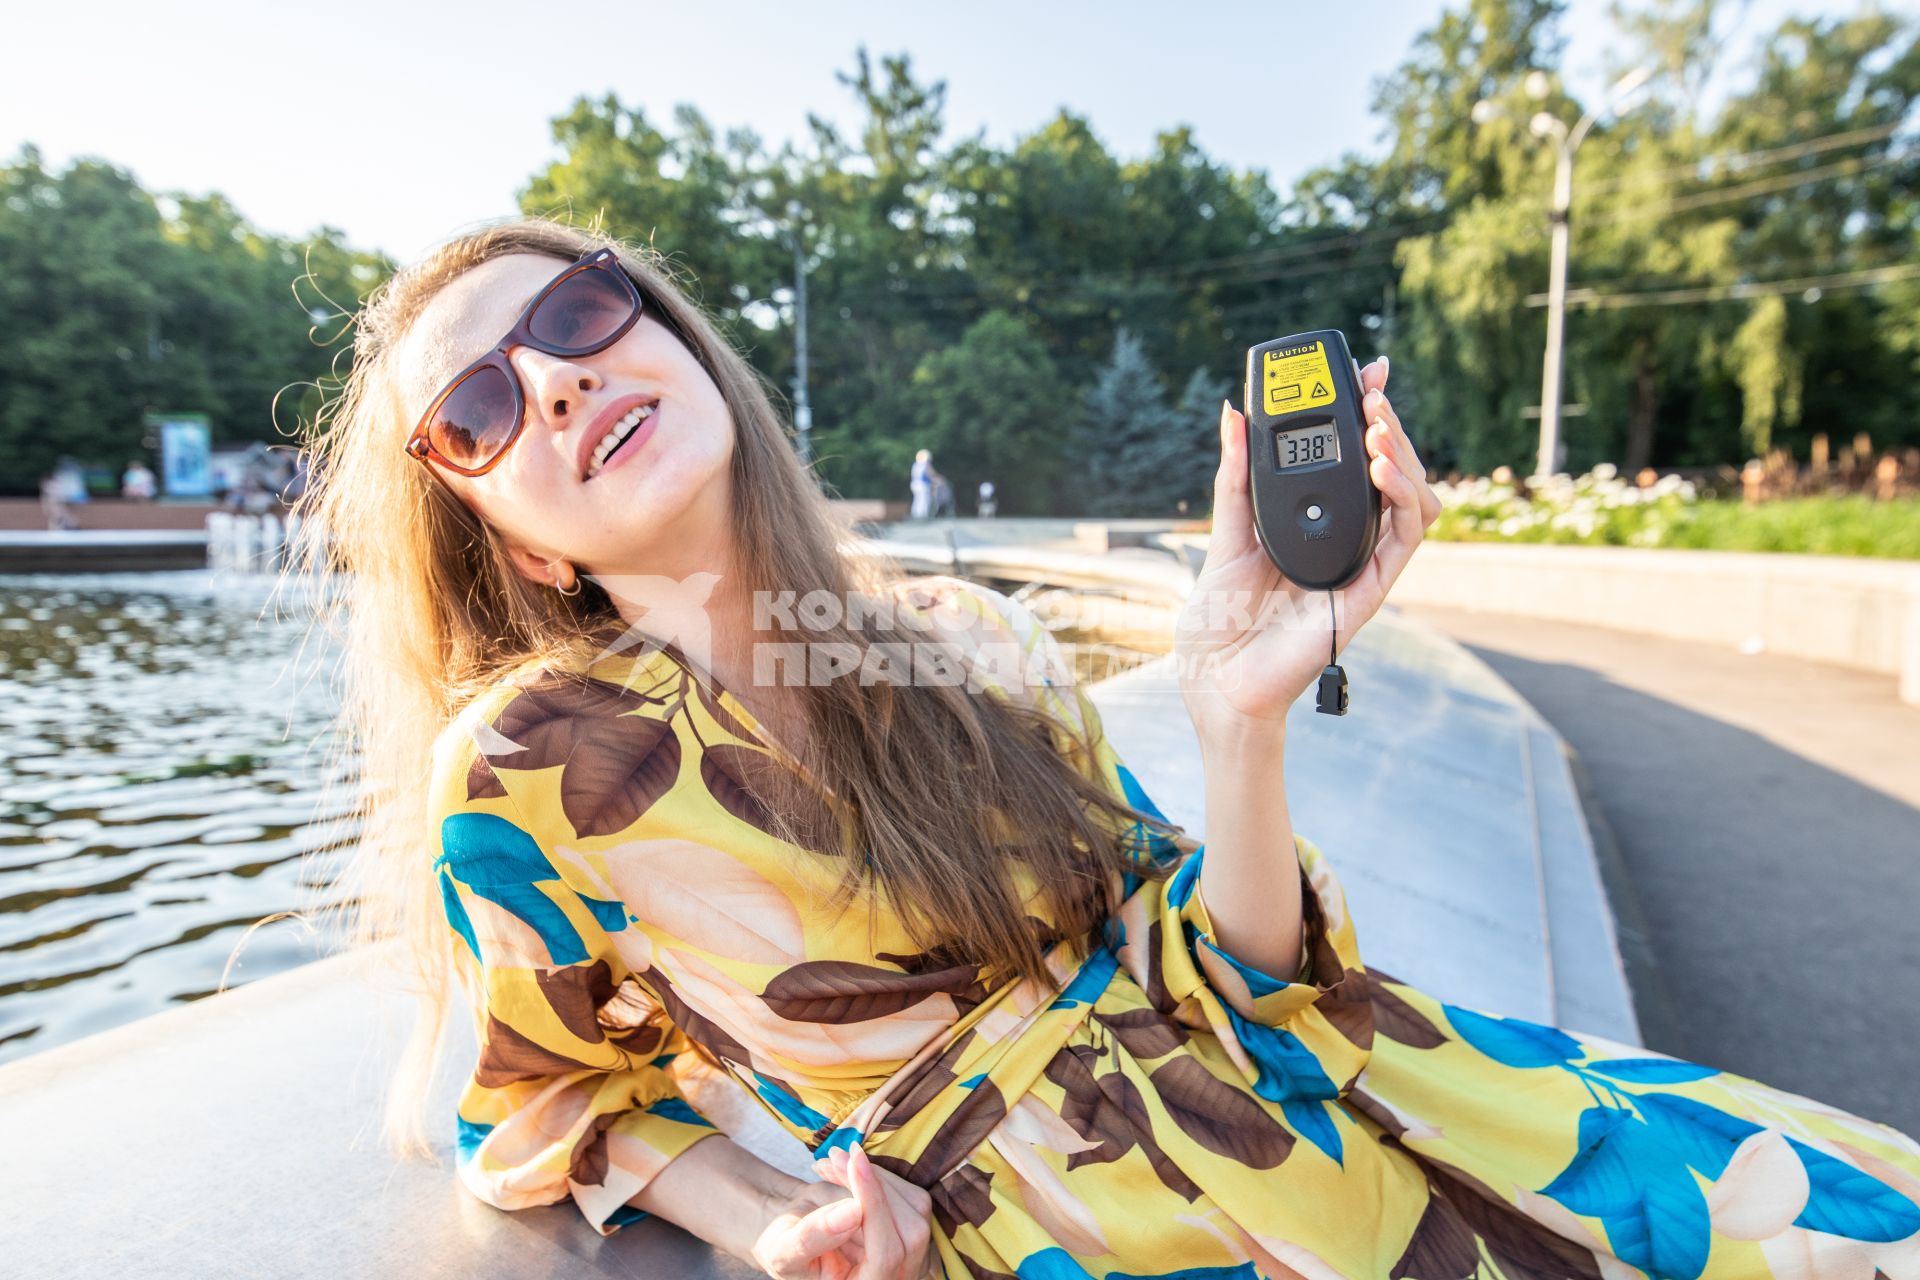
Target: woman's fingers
(911, 1206)
(817, 1234)
(880, 1238)
(1402, 527)
(1392, 439)
(1232, 500)
(1374, 376)
(1379, 409)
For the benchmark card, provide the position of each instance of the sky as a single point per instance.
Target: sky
(401, 124)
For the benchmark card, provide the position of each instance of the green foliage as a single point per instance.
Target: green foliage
(1845, 525)
(992, 407)
(1600, 508)
(115, 303)
(1122, 439)
(1035, 256)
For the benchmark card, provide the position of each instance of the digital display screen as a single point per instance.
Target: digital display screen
(1304, 446)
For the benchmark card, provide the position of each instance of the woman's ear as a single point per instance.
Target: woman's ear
(543, 569)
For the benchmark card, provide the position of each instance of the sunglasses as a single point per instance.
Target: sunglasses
(476, 418)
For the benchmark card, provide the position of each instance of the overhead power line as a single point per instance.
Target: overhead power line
(1748, 159)
(1590, 299)
(1747, 190)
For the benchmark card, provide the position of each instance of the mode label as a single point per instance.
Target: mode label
(1297, 378)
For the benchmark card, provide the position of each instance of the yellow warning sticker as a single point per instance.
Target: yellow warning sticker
(1298, 378)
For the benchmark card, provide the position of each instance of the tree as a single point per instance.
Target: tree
(992, 408)
(1133, 453)
(117, 302)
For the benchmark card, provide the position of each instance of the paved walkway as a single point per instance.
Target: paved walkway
(1767, 811)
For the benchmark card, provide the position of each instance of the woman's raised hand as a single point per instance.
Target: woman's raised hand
(1249, 641)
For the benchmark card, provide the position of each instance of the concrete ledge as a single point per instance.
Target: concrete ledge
(237, 1135)
(1848, 611)
(102, 550)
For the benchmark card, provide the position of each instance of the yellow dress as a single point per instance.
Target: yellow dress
(1163, 1110)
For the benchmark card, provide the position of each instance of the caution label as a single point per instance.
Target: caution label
(1297, 378)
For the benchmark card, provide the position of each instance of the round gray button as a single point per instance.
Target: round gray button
(1313, 511)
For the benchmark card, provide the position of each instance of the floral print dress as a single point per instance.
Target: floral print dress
(619, 910)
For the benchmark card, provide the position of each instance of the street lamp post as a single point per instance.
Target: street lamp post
(1566, 141)
(802, 409)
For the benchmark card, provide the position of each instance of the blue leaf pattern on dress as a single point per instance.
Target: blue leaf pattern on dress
(1512, 1040)
(1628, 1176)
(1051, 1264)
(501, 863)
(1651, 1070)
(790, 1108)
(1847, 1202)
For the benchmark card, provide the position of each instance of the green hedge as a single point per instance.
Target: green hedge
(1833, 526)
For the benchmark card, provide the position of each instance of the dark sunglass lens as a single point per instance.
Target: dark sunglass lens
(584, 311)
(474, 422)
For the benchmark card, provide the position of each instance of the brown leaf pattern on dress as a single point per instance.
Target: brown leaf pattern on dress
(509, 1057)
(929, 1083)
(723, 716)
(947, 955)
(697, 1027)
(1441, 1248)
(1109, 1109)
(1398, 1020)
(576, 994)
(1370, 1107)
(839, 991)
(960, 1136)
(1220, 1117)
(1096, 1106)
(965, 1195)
(752, 785)
(482, 782)
(632, 1020)
(1157, 994)
(589, 1164)
(1349, 1007)
(614, 766)
(1521, 1246)
(1145, 1033)
(1346, 1001)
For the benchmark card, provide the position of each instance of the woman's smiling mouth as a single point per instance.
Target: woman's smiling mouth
(633, 424)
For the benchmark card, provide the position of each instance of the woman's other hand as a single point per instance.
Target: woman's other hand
(1249, 641)
(895, 1241)
(807, 1235)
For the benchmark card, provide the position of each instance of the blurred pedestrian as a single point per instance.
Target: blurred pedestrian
(987, 506)
(942, 495)
(73, 482)
(920, 481)
(53, 502)
(137, 484)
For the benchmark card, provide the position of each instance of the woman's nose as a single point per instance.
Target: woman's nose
(556, 386)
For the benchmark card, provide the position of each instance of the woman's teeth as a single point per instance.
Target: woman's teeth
(614, 438)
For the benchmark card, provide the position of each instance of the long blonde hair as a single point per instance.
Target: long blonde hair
(428, 611)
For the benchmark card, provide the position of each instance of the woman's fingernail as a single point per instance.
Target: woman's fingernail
(1384, 366)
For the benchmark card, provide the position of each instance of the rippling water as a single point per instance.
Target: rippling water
(163, 742)
(162, 748)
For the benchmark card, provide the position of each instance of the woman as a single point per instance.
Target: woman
(931, 923)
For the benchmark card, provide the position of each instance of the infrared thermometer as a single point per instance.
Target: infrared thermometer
(1316, 511)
